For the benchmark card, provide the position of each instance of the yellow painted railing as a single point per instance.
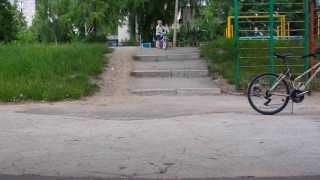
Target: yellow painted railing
(282, 30)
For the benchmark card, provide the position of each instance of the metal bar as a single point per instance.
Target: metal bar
(318, 25)
(252, 30)
(283, 12)
(288, 47)
(312, 42)
(242, 22)
(252, 57)
(236, 43)
(261, 57)
(274, 47)
(229, 28)
(306, 33)
(253, 48)
(256, 17)
(256, 4)
(266, 66)
(271, 39)
(245, 30)
(292, 30)
(279, 21)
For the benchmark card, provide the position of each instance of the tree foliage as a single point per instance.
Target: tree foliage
(11, 21)
(145, 13)
(93, 20)
(212, 20)
(67, 20)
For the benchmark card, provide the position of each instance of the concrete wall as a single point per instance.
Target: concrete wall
(28, 7)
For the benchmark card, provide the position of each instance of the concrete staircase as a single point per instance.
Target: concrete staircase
(178, 71)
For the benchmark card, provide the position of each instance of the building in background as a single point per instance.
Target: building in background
(123, 32)
(27, 7)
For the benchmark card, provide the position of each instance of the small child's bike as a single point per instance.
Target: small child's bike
(163, 42)
(270, 93)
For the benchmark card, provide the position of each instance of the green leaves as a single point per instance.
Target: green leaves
(213, 18)
(68, 20)
(11, 21)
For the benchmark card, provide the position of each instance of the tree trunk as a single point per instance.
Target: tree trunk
(175, 24)
(132, 25)
(95, 21)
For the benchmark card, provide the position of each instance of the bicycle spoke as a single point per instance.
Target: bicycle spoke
(263, 99)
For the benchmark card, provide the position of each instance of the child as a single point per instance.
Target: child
(160, 31)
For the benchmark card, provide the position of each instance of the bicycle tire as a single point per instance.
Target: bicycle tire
(281, 108)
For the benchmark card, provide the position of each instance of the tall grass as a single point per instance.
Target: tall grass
(49, 72)
(254, 58)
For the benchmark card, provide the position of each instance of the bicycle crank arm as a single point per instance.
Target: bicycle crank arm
(303, 93)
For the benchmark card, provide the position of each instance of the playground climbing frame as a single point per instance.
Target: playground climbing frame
(270, 26)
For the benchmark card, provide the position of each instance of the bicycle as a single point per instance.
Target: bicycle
(270, 93)
(163, 42)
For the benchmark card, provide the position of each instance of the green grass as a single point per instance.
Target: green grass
(220, 54)
(220, 57)
(49, 72)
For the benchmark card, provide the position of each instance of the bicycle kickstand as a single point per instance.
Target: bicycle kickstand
(292, 107)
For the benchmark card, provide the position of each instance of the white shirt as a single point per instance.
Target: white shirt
(160, 30)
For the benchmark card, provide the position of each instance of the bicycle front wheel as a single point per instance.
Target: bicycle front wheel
(267, 95)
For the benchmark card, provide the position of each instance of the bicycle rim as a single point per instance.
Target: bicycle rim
(266, 100)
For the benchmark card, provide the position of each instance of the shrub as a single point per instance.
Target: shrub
(220, 54)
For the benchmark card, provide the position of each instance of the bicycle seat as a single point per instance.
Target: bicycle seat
(282, 56)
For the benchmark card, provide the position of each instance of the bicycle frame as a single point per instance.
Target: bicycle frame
(315, 68)
(294, 83)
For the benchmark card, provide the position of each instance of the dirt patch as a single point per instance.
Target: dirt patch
(116, 77)
(114, 82)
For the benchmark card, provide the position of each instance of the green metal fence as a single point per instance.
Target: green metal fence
(262, 28)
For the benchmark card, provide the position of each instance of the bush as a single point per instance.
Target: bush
(27, 36)
(220, 54)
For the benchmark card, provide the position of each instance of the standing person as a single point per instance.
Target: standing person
(160, 31)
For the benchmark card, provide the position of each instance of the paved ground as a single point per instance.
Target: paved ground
(167, 137)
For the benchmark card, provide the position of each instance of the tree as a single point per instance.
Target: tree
(212, 19)
(11, 21)
(67, 20)
(146, 13)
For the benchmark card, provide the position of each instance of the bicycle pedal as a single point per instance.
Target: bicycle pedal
(309, 93)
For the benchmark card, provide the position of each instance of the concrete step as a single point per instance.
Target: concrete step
(190, 73)
(166, 57)
(171, 65)
(178, 92)
(154, 51)
(171, 83)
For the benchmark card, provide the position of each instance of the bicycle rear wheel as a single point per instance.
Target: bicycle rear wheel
(265, 101)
